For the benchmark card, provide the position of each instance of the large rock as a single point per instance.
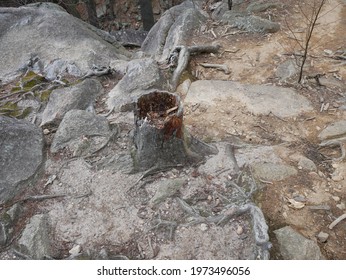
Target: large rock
(79, 96)
(273, 171)
(294, 246)
(82, 132)
(21, 145)
(142, 75)
(49, 33)
(175, 27)
(333, 130)
(242, 19)
(258, 99)
(258, 7)
(250, 23)
(286, 70)
(35, 240)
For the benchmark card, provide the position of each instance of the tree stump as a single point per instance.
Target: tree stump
(160, 138)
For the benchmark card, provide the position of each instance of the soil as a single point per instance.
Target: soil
(253, 58)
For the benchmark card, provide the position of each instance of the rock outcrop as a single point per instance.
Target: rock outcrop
(21, 146)
(80, 96)
(33, 37)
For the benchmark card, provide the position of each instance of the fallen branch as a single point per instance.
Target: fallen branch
(44, 197)
(281, 119)
(338, 220)
(222, 67)
(233, 51)
(97, 71)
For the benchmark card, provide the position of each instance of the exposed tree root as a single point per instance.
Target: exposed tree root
(184, 57)
(222, 67)
(335, 143)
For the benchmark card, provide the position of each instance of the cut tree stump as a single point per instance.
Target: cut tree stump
(160, 138)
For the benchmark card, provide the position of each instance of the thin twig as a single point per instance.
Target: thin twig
(222, 67)
(336, 221)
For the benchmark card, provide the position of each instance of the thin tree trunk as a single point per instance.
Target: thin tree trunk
(147, 14)
(92, 15)
(311, 27)
(230, 2)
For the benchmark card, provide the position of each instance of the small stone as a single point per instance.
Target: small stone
(336, 198)
(46, 131)
(103, 254)
(320, 173)
(299, 198)
(204, 227)
(305, 163)
(328, 52)
(341, 206)
(75, 250)
(240, 230)
(295, 204)
(337, 178)
(322, 237)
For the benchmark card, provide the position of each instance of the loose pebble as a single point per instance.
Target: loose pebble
(299, 198)
(295, 204)
(75, 250)
(204, 227)
(337, 178)
(46, 131)
(336, 198)
(322, 237)
(341, 206)
(240, 230)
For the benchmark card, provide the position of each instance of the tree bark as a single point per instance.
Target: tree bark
(92, 15)
(147, 14)
(160, 137)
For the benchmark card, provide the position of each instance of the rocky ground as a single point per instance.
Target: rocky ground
(274, 188)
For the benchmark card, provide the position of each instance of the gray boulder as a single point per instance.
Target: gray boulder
(48, 32)
(333, 130)
(35, 240)
(82, 132)
(258, 99)
(141, 76)
(294, 246)
(286, 70)
(175, 27)
(273, 171)
(130, 37)
(80, 96)
(260, 6)
(250, 23)
(21, 146)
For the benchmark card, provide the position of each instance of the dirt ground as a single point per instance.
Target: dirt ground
(253, 59)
